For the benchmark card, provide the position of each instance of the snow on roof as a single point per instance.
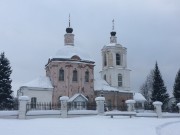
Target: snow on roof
(69, 51)
(75, 96)
(40, 82)
(138, 97)
(101, 84)
(113, 44)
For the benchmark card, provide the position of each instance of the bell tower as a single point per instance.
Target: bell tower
(114, 64)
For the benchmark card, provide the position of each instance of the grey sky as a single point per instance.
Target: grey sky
(33, 30)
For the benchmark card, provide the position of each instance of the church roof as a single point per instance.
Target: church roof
(40, 82)
(68, 52)
(75, 96)
(102, 85)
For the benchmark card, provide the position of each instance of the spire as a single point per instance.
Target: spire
(113, 38)
(113, 25)
(113, 33)
(69, 29)
(69, 21)
(69, 36)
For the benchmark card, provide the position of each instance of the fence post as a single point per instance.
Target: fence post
(64, 106)
(130, 104)
(22, 106)
(100, 105)
(178, 105)
(157, 106)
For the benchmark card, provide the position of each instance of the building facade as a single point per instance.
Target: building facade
(38, 90)
(71, 71)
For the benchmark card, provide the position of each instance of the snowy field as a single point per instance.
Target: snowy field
(92, 125)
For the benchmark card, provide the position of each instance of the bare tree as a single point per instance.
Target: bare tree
(147, 87)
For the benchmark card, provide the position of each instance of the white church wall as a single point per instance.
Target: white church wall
(112, 77)
(41, 95)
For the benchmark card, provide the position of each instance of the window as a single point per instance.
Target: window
(75, 76)
(119, 80)
(33, 102)
(79, 105)
(83, 105)
(75, 104)
(61, 75)
(87, 76)
(105, 77)
(105, 61)
(118, 59)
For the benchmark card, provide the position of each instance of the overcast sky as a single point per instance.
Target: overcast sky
(33, 30)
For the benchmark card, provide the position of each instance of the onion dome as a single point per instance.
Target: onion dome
(69, 30)
(113, 33)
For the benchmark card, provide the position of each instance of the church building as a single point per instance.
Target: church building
(71, 73)
(71, 70)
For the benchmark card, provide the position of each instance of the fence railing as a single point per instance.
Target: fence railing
(118, 108)
(10, 106)
(43, 106)
(88, 106)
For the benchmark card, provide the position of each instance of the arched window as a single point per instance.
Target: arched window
(75, 76)
(119, 80)
(61, 75)
(33, 102)
(87, 76)
(118, 59)
(105, 60)
(105, 77)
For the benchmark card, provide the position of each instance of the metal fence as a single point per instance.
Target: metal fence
(43, 106)
(117, 108)
(171, 109)
(10, 106)
(81, 106)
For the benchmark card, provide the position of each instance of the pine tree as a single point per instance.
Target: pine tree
(6, 98)
(159, 92)
(176, 90)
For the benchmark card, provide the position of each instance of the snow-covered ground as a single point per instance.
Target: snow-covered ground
(92, 125)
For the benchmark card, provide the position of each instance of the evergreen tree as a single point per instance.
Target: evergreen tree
(159, 92)
(176, 90)
(6, 98)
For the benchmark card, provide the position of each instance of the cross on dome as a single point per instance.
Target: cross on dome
(113, 33)
(113, 25)
(69, 29)
(69, 21)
